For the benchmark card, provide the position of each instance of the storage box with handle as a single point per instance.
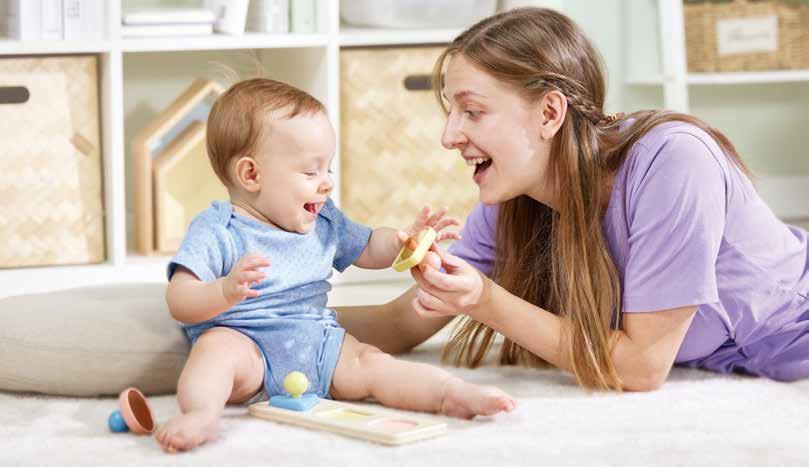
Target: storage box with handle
(746, 35)
(392, 161)
(51, 208)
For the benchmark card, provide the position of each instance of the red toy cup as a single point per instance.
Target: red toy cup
(136, 412)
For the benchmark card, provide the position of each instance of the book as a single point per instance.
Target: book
(51, 19)
(158, 30)
(170, 16)
(83, 19)
(23, 19)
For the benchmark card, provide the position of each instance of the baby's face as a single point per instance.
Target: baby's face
(295, 157)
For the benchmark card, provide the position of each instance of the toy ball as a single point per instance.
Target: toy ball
(296, 383)
(116, 422)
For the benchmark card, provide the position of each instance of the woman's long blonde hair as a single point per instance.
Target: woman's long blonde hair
(558, 260)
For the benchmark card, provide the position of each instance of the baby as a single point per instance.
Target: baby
(249, 281)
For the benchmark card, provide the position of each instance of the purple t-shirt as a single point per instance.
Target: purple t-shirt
(686, 227)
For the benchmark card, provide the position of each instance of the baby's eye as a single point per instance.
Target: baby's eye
(310, 174)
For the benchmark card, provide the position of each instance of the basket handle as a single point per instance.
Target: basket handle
(14, 95)
(420, 82)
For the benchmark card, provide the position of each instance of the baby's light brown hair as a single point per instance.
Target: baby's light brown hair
(239, 116)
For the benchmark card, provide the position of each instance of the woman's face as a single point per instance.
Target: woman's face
(497, 132)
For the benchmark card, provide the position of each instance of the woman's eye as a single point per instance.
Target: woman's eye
(472, 113)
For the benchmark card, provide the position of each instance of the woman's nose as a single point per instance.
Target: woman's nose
(453, 136)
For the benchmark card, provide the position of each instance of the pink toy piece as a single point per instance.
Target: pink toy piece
(136, 411)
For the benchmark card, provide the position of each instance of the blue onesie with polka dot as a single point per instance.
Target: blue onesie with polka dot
(288, 320)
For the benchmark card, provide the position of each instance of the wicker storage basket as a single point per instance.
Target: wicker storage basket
(392, 161)
(703, 20)
(51, 209)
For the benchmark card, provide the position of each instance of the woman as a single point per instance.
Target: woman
(607, 246)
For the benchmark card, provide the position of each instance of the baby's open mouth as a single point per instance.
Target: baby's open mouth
(312, 208)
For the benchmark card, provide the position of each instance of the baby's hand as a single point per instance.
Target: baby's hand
(236, 285)
(426, 219)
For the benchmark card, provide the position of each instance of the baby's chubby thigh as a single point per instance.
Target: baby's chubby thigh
(357, 369)
(239, 352)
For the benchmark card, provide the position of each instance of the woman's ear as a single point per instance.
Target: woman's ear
(553, 107)
(247, 174)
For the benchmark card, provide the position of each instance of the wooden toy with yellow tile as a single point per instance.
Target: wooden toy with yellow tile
(309, 411)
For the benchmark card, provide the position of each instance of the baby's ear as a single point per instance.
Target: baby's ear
(247, 174)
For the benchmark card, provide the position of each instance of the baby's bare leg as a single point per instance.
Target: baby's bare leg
(224, 366)
(364, 371)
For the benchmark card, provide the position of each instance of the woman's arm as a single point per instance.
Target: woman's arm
(393, 327)
(643, 352)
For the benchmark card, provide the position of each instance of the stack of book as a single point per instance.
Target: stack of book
(52, 19)
(163, 22)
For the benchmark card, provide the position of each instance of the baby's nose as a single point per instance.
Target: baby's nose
(325, 187)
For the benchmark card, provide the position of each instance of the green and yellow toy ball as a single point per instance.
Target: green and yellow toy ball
(296, 383)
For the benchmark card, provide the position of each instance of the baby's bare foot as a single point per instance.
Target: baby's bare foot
(465, 400)
(187, 431)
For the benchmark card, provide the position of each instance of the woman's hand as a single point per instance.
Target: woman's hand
(460, 291)
(427, 218)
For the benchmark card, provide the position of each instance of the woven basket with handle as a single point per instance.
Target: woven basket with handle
(702, 41)
(392, 161)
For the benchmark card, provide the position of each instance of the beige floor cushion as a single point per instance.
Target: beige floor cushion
(91, 341)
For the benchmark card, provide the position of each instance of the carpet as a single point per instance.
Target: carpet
(696, 418)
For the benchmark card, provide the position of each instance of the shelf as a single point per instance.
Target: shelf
(223, 42)
(751, 77)
(14, 47)
(358, 37)
(351, 37)
(747, 77)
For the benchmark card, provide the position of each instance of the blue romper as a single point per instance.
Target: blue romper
(289, 320)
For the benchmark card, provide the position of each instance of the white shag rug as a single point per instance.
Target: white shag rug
(697, 418)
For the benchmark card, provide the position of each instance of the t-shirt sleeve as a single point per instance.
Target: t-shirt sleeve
(476, 245)
(205, 250)
(351, 237)
(676, 218)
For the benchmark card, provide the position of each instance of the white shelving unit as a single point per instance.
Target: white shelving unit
(310, 61)
(138, 77)
(656, 56)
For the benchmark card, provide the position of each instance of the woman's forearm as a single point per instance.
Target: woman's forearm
(524, 323)
(393, 327)
(540, 332)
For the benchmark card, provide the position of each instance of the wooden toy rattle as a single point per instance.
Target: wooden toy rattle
(342, 418)
(134, 414)
(408, 257)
